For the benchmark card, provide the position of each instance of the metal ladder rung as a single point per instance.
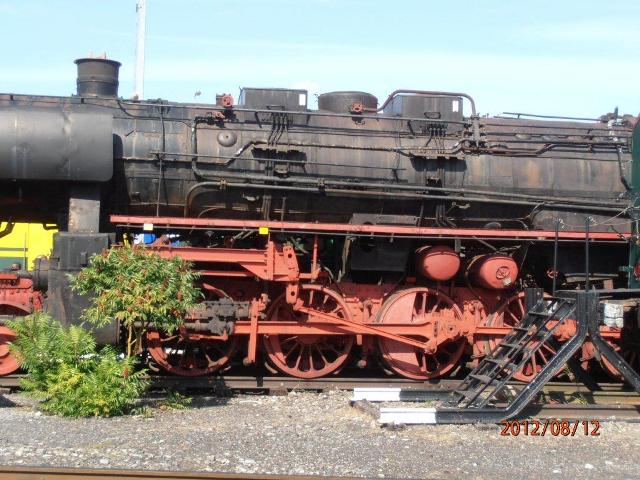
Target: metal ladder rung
(504, 363)
(465, 393)
(482, 378)
(497, 361)
(521, 329)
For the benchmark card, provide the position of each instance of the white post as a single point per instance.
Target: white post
(141, 11)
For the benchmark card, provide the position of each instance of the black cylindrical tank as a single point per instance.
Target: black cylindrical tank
(341, 102)
(97, 77)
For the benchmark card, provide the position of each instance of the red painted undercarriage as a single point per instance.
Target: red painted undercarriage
(309, 324)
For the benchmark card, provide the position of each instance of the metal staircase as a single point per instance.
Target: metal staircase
(489, 378)
(484, 396)
(475, 398)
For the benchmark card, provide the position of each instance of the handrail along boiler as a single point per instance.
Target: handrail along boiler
(355, 234)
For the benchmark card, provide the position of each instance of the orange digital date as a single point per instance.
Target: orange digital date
(554, 428)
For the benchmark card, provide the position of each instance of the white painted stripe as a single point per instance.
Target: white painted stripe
(376, 394)
(407, 416)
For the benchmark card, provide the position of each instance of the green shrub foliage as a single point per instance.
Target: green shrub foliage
(69, 374)
(42, 346)
(103, 385)
(138, 288)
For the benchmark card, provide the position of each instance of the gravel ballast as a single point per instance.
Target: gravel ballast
(304, 433)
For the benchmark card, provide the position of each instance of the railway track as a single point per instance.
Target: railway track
(48, 473)
(250, 382)
(553, 394)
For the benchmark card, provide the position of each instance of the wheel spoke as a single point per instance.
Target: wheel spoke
(325, 299)
(299, 358)
(516, 320)
(550, 350)
(332, 348)
(310, 356)
(295, 348)
(435, 307)
(534, 364)
(322, 357)
(310, 302)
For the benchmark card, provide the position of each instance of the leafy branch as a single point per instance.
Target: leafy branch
(138, 288)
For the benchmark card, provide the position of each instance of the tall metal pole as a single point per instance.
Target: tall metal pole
(141, 13)
(555, 257)
(587, 282)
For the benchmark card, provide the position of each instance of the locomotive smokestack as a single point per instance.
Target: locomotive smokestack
(97, 77)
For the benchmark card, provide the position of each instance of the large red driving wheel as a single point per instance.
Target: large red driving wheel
(308, 356)
(419, 305)
(178, 356)
(510, 313)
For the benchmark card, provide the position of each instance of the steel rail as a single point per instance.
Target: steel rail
(249, 382)
(55, 473)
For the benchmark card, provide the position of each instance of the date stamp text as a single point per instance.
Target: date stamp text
(552, 428)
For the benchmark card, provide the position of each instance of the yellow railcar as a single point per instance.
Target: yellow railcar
(21, 243)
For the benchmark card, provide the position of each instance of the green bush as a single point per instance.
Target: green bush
(69, 374)
(138, 288)
(42, 346)
(103, 385)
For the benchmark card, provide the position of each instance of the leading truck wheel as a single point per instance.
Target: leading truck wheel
(419, 305)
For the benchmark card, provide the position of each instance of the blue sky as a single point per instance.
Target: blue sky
(578, 58)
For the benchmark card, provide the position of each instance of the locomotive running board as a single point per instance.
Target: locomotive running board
(159, 224)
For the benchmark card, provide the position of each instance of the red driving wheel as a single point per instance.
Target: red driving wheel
(308, 356)
(419, 305)
(9, 363)
(510, 313)
(179, 356)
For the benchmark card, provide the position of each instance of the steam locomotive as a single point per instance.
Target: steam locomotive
(400, 234)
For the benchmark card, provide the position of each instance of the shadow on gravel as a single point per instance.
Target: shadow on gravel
(197, 401)
(5, 402)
